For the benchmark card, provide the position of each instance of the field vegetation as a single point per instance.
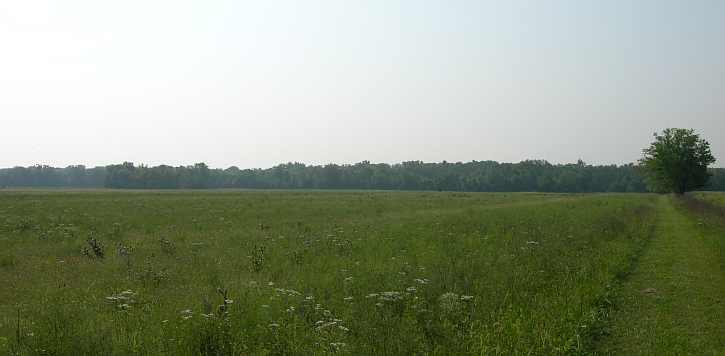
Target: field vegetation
(313, 272)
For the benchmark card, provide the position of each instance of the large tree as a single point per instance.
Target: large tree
(677, 161)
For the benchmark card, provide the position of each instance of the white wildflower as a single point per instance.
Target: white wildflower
(326, 325)
(389, 296)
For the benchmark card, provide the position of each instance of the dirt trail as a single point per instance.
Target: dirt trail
(673, 303)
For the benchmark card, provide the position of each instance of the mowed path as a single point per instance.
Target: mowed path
(673, 303)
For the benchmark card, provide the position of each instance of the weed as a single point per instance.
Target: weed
(94, 249)
(256, 259)
(24, 224)
(167, 246)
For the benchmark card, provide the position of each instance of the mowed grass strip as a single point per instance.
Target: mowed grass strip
(674, 301)
(360, 273)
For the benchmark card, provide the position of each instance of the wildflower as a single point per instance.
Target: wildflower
(343, 328)
(466, 298)
(326, 325)
(389, 296)
(229, 301)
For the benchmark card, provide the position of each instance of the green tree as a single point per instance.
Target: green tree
(677, 161)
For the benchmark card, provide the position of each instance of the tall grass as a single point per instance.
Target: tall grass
(213, 273)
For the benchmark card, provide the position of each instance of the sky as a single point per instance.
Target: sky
(257, 83)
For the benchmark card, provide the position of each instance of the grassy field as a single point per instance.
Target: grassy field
(717, 198)
(359, 273)
(674, 301)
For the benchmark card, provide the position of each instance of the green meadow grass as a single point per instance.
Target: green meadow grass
(280, 273)
(717, 198)
(673, 302)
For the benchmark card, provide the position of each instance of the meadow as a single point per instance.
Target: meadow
(318, 272)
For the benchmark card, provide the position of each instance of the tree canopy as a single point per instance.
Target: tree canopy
(677, 161)
(477, 176)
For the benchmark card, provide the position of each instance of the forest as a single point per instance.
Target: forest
(474, 176)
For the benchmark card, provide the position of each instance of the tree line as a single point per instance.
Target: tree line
(477, 176)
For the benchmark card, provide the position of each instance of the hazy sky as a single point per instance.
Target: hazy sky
(256, 83)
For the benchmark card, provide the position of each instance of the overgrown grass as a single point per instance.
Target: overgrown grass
(672, 304)
(116, 273)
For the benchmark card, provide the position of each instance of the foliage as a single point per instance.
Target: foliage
(487, 176)
(677, 161)
(46, 176)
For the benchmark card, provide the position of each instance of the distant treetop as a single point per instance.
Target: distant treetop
(677, 161)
